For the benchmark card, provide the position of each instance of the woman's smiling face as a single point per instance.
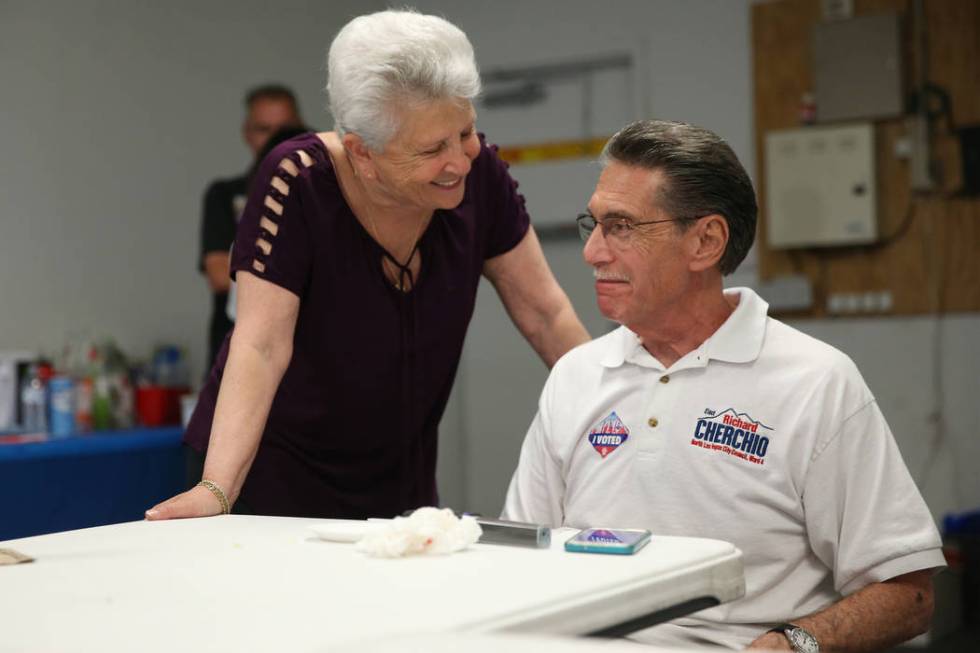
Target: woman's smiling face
(426, 162)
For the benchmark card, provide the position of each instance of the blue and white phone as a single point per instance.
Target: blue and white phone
(621, 541)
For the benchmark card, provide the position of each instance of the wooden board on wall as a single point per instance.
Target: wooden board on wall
(928, 262)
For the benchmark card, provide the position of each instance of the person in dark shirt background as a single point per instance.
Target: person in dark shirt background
(269, 108)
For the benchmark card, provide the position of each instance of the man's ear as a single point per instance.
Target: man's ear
(361, 156)
(709, 237)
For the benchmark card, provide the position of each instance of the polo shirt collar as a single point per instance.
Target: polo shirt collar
(738, 340)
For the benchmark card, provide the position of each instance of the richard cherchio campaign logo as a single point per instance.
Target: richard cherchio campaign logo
(606, 537)
(733, 433)
(609, 434)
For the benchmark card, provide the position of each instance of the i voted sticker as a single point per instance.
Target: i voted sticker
(608, 435)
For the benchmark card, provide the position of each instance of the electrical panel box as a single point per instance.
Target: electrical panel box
(820, 186)
(857, 68)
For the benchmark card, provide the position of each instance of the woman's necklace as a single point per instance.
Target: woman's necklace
(390, 264)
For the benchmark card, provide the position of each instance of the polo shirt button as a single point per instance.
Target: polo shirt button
(652, 421)
(665, 379)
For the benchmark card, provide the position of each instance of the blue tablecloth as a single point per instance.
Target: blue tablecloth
(87, 480)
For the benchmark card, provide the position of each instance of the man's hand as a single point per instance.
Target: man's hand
(771, 642)
(196, 502)
(875, 618)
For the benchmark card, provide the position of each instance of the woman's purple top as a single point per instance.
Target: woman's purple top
(352, 432)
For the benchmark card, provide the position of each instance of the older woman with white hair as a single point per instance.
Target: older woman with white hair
(358, 259)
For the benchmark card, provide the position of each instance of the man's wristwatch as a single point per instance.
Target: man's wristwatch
(801, 640)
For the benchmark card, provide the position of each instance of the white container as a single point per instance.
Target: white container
(187, 405)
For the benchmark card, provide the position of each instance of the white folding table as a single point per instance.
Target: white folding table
(242, 583)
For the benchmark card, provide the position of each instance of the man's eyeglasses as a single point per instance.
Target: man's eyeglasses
(616, 229)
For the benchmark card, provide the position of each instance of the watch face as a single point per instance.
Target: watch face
(802, 641)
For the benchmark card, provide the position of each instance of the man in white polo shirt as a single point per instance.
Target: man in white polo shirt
(702, 416)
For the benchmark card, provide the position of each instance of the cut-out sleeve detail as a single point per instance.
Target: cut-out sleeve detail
(289, 166)
(278, 196)
(280, 185)
(273, 205)
(267, 225)
(273, 240)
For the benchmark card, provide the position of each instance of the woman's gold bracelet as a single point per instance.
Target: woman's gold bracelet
(219, 495)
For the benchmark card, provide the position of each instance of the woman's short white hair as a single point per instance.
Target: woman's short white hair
(383, 60)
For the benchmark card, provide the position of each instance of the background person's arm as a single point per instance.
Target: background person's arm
(217, 234)
(217, 272)
(261, 347)
(535, 302)
(875, 618)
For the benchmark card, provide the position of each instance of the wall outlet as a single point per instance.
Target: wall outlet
(875, 301)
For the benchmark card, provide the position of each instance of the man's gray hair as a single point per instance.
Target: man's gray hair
(702, 176)
(378, 62)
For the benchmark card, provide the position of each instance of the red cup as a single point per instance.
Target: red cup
(151, 405)
(158, 405)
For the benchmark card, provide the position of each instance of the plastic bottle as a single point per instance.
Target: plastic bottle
(88, 362)
(34, 402)
(102, 403)
(123, 410)
(169, 367)
(84, 391)
(61, 392)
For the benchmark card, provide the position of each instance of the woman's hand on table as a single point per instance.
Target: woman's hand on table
(196, 502)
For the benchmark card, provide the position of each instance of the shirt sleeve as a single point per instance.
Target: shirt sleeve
(217, 222)
(864, 515)
(508, 219)
(273, 240)
(537, 489)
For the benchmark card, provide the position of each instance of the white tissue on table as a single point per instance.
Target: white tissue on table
(427, 530)
(343, 531)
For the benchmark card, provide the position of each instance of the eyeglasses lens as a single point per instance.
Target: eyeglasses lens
(586, 225)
